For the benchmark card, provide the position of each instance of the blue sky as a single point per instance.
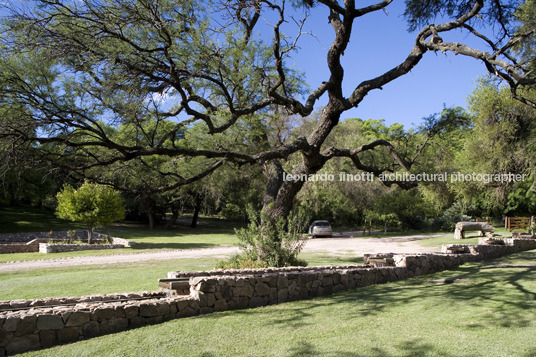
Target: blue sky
(379, 42)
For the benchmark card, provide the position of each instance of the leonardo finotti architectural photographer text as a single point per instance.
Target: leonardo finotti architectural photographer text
(409, 177)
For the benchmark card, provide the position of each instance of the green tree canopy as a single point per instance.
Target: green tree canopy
(222, 67)
(92, 204)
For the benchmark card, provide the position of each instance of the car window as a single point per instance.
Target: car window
(322, 224)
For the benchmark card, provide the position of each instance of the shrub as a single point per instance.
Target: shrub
(92, 204)
(269, 245)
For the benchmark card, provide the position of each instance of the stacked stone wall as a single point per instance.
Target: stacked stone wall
(40, 323)
(39, 242)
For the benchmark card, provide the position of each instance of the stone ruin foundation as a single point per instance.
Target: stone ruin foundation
(41, 323)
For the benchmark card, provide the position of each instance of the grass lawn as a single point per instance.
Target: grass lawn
(29, 219)
(89, 280)
(126, 277)
(492, 315)
(209, 233)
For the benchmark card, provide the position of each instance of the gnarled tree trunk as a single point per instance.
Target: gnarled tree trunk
(280, 194)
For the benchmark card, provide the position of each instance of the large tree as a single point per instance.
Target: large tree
(215, 64)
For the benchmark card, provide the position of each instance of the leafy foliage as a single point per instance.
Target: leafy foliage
(92, 204)
(277, 245)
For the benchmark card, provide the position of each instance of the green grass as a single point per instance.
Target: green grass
(492, 315)
(87, 280)
(126, 277)
(210, 233)
(29, 219)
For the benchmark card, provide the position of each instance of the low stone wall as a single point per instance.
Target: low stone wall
(120, 241)
(37, 242)
(60, 248)
(28, 236)
(39, 325)
(256, 272)
(44, 327)
(18, 248)
(6, 305)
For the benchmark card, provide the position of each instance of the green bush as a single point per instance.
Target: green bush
(92, 204)
(271, 245)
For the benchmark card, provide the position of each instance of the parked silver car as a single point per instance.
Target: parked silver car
(320, 229)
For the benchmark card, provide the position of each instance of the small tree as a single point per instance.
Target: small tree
(93, 204)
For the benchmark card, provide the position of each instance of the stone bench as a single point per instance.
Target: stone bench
(481, 227)
(175, 286)
(379, 260)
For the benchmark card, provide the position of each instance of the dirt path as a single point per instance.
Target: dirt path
(345, 244)
(119, 258)
(339, 244)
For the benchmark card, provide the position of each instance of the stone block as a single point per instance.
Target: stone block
(206, 310)
(243, 302)
(207, 286)
(113, 325)
(282, 295)
(11, 323)
(345, 280)
(68, 334)
(5, 337)
(328, 290)
(103, 313)
(19, 303)
(338, 287)
(27, 326)
(181, 305)
(273, 281)
(168, 317)
(47, 338)
(131, 311)
(172, 308)
(162, 308)
(91, 329)
(119, 311)
(328, 281)
(210, 299)
(302, 280)
(49, 322)
(193, 304)
(292, 287)
(148, 310)
(226, 293)
(78, 318)
(248, 291)
(194, 280)
(138, 321)
(221, 305)
(272, 297)
(262, 289)
(258, 301)
(22, 344)
(187, 312)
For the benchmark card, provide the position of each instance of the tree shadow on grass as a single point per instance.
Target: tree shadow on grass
(174, 246)
(508, 295)
(410, 348)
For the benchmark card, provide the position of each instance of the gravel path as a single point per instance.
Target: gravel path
(118, 258)
(342, 243)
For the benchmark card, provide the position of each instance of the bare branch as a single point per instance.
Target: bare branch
(363, 11)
